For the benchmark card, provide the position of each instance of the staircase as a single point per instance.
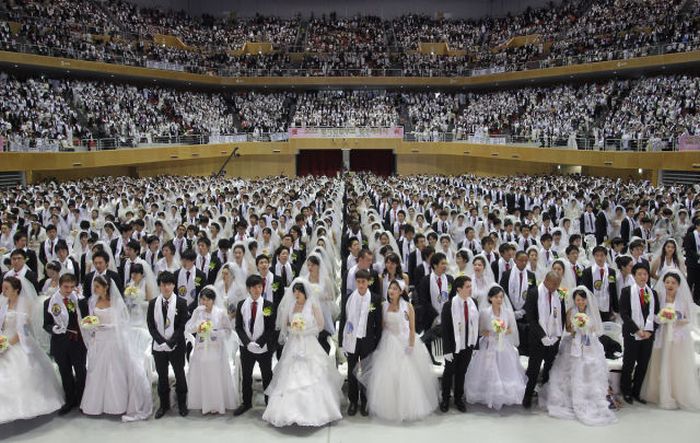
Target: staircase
(11, 179)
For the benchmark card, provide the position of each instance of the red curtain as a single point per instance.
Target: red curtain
(378, 161)
(319, 161)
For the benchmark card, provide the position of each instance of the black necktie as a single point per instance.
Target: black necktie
(284, 275)
(165, 309)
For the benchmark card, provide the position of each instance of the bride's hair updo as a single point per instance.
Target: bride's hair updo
(208, 293)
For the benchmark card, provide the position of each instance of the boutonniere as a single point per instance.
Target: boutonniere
(275, 286)
(371, 281)
(71, 306)
(56, 309)
(530, 282)
(372, 308)
(562, 293)
(449, 288)
(579, 273)
(611, 279)
(212, 265)
(294, 256)
(647, 296)
(267, 311)
(198, 281)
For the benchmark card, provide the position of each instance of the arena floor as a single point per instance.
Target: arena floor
(638, 424)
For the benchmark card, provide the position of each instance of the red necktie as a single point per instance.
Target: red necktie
(602, 274)
(253, 314)
(439, 283)
(52, 247)
(641, 297)
(263, 283)
(507, 266)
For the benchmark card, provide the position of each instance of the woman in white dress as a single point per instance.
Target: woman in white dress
(229, 289)
(495, 376)
(169, 262)
(137, 293)
(578, 381)
(667, 259)
(462, 264)
(212, 388)
(671, 381)
(481, 280)
(533, 264)
(30, 386)
(116, 381)
(306, 387)
(392, 271)
(399, 378)
(316, 273)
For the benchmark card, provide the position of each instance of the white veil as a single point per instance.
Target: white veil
(286, 307)
(508, 313)
(29, 314)
(112, 266)
(684, 298)
(592, 310)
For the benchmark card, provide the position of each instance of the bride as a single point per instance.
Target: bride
(495, 376)
(399, 376)
(305, 388)
(30, 386)
(578, 381)
(670, 381)
(212, 387)
(116, 380)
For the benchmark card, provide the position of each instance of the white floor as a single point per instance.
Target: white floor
(638, 424)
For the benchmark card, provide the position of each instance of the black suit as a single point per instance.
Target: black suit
(87, 282)
(29, 275)
(455, 370)
(692, 261)
(587, 281)
(538, 351)
(601, 227)
(523, 324)
(426, 313)
(32, 260)
(200, 280)
(69, 352)
(412, 265)
(175, 357)
(636, 352)
(364, 346)
(248, 359)
(625, 231)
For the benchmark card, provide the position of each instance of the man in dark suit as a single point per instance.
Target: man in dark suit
(639, 305)
(62, 313)
(644, 232)
(457, 360)
(517, 283)
(431, 294)
(68, 264)
(100, 263)
(189, 280)
(415, 258)
(47, 249)
(601, 224)
(19, 268)
(601, 281)
(207, 262)
(627, 226)
(20, 239)
(544, 343)
(691, 245)
(166, 318)
(255, 326)
(359, 345)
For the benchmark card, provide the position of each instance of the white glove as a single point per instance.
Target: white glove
(519, 314)
(253, 347)
(448, 357)
(546, 341)
(58, 330)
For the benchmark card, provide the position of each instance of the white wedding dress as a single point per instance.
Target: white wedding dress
(401, 386)
(671, 381)
(495, 376)
(306, 386)
(116, 381)
(211, 384)
(30, 387)
(578, 382)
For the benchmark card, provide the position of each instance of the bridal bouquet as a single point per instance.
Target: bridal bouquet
(499, 326)
(131, 292)
(580, 320)
(90, 322)
(204, 329)
(667, 315)
(4, 344)
(298, 324)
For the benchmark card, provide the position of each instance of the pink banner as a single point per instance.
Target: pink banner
(394, 132)
(689, 143)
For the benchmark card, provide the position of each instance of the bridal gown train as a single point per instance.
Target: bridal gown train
(30, 386)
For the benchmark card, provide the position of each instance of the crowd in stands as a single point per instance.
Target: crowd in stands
(635, 113)
(565, 33)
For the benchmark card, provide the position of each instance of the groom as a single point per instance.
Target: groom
(255, 326)
(639, 304)
(62, 313)
(166, 318)
(545, 311)
(360, 331)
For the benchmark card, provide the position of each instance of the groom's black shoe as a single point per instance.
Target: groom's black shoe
(184, 412)
(66, 408)
(527, 402)
(242, 409)
(628, 399)
(363, 410)
(445, 405)
(435, 362)
(352, 409)
(640, 400)
(461, 407)
(161, 412)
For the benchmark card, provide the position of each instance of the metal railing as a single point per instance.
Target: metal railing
(655, 144)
